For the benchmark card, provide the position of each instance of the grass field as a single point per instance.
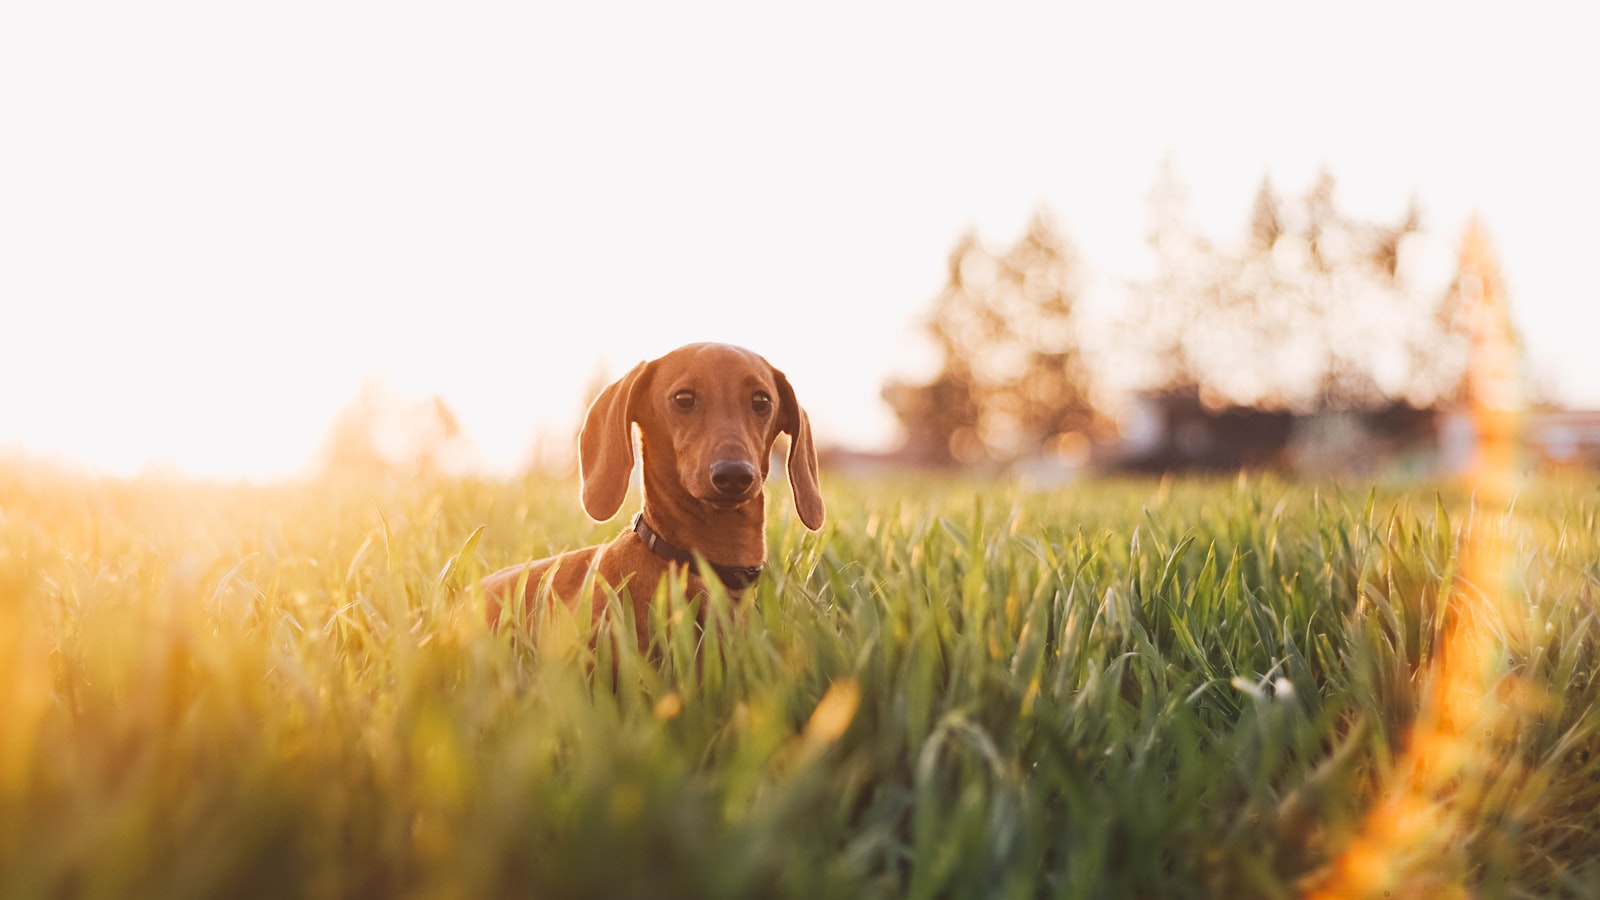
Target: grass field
(1117, 689)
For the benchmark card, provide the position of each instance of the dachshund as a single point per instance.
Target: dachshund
(707, 416)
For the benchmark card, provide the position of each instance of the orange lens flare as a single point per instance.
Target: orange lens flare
(1402, 841)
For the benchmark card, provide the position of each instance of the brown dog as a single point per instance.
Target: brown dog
(707, 415)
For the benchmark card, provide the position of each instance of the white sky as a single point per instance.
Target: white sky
(217, 218)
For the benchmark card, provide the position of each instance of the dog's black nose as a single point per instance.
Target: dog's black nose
(732, 478)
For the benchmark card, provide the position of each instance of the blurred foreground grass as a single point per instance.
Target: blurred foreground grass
(1112, 689)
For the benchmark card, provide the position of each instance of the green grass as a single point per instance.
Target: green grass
(1118, 689)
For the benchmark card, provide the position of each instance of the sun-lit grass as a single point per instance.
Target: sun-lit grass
(1140, 688)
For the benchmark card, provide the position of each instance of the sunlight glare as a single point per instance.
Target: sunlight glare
(1416, 819)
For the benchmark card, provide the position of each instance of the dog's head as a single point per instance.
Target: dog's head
(714, 410)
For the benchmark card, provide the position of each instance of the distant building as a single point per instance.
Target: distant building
(1178, 432)
(1170, 433)
(1564, 438)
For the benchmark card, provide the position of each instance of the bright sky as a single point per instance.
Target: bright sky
(217, 218)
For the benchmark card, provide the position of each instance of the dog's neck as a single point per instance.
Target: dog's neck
(734, 578)
(734, 537)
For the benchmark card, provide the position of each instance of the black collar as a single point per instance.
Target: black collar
(733, 578)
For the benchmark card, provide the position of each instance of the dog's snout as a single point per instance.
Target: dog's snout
(732, 478)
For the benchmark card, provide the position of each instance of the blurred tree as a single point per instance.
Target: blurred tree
(1313, 310)
(379, 433)
(1012, 378)
(1477, 306)
(1156, 344)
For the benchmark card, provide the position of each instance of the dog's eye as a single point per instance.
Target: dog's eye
(761, 403)
(683, 399)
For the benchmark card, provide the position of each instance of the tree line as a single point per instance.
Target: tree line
(1310, 310)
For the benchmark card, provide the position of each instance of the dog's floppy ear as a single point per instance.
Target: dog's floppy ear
(605, 446)
(802, 464)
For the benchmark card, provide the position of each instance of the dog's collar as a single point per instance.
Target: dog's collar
(733, 577)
